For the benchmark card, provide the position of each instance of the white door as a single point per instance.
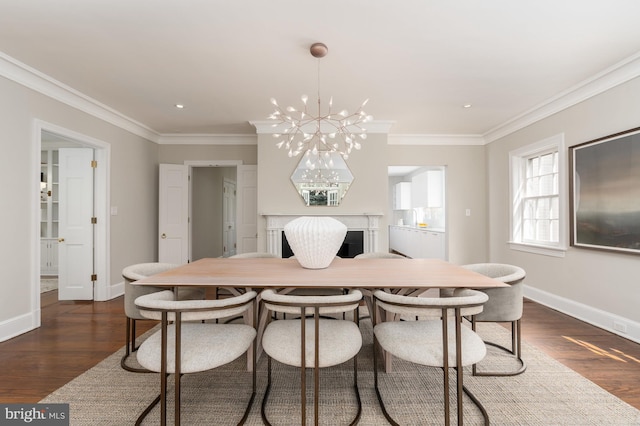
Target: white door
(75, 227)
(247, 209)
(229, 219)
(173, 214)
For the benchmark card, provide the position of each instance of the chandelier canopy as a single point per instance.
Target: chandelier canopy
(338, 132)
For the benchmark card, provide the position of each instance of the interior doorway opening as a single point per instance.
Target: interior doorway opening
(58, 204)
(212, 212)
(176, 229)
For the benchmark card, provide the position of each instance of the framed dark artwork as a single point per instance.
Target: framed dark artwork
(605, 193)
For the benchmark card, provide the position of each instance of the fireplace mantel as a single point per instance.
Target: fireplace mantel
(366, 222)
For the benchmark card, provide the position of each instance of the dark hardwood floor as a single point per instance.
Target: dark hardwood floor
(75, 336)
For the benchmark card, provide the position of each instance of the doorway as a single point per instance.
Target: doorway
(175, 227)
(213, 207)
(175, 218)
(76, 255)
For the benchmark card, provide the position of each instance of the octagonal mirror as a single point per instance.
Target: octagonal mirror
(322, 179)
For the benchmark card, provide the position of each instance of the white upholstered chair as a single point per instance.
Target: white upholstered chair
(186, 343)
(134, 273)
(504, 305)
(423, 341)
(312, 341)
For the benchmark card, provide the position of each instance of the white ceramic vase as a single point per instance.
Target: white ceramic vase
(315, 240)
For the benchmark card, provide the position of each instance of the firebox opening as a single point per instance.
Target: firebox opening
(352, 245)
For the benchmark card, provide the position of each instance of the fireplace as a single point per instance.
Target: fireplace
(363, 227)
(352, 245)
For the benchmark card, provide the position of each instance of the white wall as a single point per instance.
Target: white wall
(597, 286)
(133, 190)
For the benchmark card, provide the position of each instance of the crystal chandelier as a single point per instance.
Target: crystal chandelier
(338, 132)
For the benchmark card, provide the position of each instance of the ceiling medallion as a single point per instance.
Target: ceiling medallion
(338, 132)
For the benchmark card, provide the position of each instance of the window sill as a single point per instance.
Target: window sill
(537, 249)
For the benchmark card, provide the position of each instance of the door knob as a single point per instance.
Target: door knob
(163, 236)
(61, 240)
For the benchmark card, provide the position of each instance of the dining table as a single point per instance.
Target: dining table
(368, 274)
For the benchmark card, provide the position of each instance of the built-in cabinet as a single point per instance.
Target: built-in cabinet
(49, 212)
(417, 243)
(427, 189)
(403, 196)
(435, 189)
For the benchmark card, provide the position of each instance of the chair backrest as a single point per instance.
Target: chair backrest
(254, 254)
(137, 272)
(153, 305)
(468, 302)
(506, 273)
(292, 304)
(379, 255)
(505, 303)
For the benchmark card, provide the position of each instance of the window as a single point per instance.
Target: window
(538, 197)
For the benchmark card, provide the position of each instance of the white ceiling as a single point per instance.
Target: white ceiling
(418, 61)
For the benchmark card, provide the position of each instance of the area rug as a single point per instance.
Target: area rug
(547, 394)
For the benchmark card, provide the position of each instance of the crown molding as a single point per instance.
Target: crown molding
(31, 78)
(206, 139)
(611, 77)
(268, 127)
(435, 139)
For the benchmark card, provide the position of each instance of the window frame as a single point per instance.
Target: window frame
(518, 160)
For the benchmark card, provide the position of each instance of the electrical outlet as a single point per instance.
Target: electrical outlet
(467, 212)
(618, 326)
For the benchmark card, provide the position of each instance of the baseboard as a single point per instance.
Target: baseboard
(19, 325)
(613, 323)
(116, 290)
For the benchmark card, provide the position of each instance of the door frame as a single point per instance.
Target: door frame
(205, 163)
(101, 243)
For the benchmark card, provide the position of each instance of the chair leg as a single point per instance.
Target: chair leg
(253, 369)
(316, 381)
(357, 391)
(516, 350)
(460, 385)
(375, 382)
(266, 393)
(130, 347)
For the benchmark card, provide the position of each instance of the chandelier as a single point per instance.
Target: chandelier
(338, 132)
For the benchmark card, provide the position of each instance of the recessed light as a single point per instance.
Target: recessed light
(179, 106)
(467, 106)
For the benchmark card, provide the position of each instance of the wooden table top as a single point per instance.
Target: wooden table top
(342, 273)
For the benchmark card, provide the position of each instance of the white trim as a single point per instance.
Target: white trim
(206, 139)
(212, 163)
(613, 76)
(516, 179)
(435, 140)
(19, 325)
(102, 241)
(33, 79)
(609, 78)
(536, 249)
(267, 127)
(588, 314)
